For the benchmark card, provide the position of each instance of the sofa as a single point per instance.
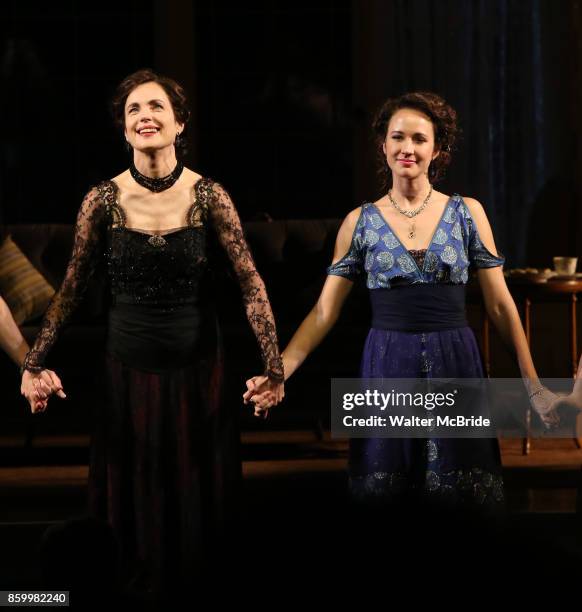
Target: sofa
(291, 256)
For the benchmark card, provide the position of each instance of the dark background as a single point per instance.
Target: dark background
(283, 94)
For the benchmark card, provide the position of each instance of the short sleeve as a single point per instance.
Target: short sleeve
(351, 265)
(478, 254)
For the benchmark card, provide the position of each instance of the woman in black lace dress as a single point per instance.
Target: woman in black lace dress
(163, 460)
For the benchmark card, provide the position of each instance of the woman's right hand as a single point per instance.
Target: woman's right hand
(264, 393)
(37, 387)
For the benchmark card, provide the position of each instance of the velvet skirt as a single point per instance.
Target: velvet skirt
(165, 466)
(455, 470)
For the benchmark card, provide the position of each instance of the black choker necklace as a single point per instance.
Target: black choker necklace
(156, 184)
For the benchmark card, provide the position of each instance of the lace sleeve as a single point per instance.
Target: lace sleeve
(88, 233)
(228, 228)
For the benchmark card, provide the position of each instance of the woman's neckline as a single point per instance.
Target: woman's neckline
(151, 231)
(427, 248)
(146, 232)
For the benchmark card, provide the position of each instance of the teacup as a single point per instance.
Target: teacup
(565, 265)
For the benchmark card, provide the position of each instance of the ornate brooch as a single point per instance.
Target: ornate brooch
(157, 241)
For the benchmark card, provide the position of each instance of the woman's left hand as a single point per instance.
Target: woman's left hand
(38, 387)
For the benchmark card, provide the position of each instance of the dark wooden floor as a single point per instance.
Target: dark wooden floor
(282, 470)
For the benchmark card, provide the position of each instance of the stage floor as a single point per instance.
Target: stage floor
(285, 472)
(54, 473)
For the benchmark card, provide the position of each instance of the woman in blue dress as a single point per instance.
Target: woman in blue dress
(414, 248)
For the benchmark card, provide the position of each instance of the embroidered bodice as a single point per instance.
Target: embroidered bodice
(377, 254)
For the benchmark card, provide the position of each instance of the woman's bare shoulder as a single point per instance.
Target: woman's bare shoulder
(353, 215)
(474, 206)
(190, 176)
(121, 180)
(349, 223)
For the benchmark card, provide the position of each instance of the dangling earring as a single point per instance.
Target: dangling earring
(178, 144)
(430, 170)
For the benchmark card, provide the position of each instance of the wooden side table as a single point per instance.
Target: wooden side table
(525, 293)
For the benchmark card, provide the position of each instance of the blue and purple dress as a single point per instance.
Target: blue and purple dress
(419, 329)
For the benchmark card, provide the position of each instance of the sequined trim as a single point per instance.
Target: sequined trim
(432, 451)
(473, 486)
(109, 191)
(198, 212)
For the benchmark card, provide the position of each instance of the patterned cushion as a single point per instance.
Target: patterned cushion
(23, 288)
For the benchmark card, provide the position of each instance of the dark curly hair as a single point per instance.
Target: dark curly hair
(444, 121)
(174, 91)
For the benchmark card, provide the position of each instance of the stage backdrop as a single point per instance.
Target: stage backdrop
(283, 96)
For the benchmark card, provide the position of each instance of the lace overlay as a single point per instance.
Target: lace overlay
(87, 249)
(162, 268)
(225, 220)
(146, 268)
(418, 256)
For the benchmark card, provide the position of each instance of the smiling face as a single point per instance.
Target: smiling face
(410, 145)
(150, 122)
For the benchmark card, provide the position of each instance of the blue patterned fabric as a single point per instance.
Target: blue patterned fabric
(377, 253)
(457, 471)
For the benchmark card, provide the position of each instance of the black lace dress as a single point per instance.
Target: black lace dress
(164, 463)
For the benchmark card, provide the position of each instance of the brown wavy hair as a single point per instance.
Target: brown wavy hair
(174, 91)
(443, 118)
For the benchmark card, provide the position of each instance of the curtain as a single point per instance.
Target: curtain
(512, 71)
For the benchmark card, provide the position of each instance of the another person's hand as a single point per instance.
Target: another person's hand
(37, 387)
(545, 403)
(264, 393)
(572, 401)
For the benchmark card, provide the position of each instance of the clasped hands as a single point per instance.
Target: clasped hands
(37, 387)
(547, 403)
(264, 393)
